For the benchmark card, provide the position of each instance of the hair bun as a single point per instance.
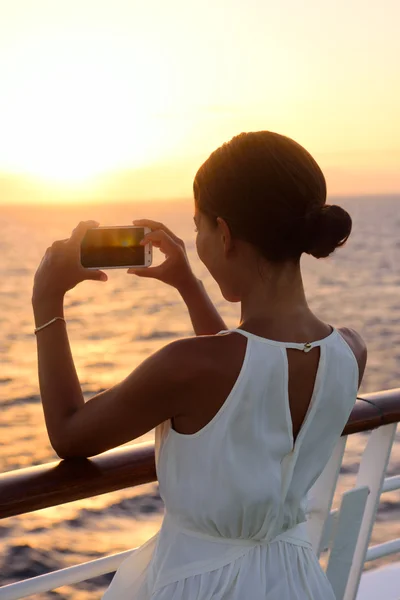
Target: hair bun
(327, 228)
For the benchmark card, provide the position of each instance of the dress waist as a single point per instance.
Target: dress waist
(177, 552)
(297, 535)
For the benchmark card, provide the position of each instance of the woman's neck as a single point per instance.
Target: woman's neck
(274, 298)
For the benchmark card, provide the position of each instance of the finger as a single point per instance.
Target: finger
(162, 240)
(145, 272)
(148, 223)
(58, 244)
(80, 230)
(95, 275)
(156, 225)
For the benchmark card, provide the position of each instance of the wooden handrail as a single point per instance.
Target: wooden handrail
(373, 410)
(55, 483)
(33, 488)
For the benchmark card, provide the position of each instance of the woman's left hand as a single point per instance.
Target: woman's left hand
(60, 269)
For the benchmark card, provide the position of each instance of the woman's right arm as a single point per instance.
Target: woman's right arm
(205, 318)
(176, 271)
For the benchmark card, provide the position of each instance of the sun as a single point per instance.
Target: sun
(71, 143)
(81, 111)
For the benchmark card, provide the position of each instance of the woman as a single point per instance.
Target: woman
(245, 419)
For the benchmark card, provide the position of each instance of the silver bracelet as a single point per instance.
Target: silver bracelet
(49, 323)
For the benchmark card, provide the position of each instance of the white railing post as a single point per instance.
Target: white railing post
(371, 474)
(320, 498)
(348, 526)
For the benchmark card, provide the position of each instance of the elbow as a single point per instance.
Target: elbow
(63, 452)
(69, 442)
(62, 455)
(66, 444)
(67, 450)
(57, 446)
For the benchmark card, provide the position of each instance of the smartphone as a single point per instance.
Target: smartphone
(115, 248)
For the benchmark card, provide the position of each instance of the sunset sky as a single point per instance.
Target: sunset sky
(121, 99)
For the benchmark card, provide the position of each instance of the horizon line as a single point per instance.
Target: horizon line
(101, 202)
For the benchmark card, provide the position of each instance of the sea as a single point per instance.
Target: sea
(113, 326)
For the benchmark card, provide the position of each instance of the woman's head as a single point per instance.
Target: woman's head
(270, 193)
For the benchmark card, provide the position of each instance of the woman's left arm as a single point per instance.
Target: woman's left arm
(150, 395)
(147, 397)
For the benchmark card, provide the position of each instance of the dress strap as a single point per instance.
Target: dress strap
(304, 346)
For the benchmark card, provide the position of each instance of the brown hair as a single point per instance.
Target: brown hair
(272, 193)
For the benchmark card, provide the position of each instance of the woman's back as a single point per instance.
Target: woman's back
(246, 453)
(237, 487)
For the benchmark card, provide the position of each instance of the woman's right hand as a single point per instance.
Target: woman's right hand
(175, 270)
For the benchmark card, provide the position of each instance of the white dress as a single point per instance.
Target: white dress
(235, 492)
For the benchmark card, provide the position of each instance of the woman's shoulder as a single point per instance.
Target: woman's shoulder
(358, 346)
(204, 352)
(198, 364)
(203, 370)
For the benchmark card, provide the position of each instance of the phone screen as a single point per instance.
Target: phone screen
(113, 247)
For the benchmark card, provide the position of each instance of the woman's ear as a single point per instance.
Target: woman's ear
(226, 236)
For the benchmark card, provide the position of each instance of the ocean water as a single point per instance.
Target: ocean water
(114, 326)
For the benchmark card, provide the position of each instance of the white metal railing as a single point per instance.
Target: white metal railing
(346, 531)
(68, 576)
